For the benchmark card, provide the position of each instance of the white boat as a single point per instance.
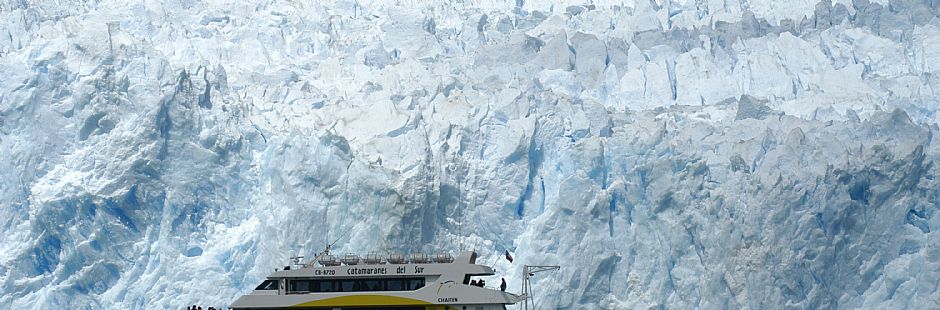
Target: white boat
(417, 281)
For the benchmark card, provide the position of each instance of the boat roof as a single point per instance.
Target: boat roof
(462, 265)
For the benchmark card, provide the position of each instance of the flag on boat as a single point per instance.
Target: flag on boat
(508, 257)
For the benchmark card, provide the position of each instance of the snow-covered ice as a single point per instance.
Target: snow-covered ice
(678, 154)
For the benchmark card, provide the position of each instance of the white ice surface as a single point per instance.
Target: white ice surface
(683, 154)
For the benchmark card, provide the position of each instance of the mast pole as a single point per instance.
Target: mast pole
(530, 271)
(459, 221)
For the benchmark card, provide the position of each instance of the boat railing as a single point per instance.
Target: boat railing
(373, 258)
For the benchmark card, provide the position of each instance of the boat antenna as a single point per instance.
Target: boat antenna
(459, 220)
(328, 246)
(297, 259)
(530, 271)
(326, 251)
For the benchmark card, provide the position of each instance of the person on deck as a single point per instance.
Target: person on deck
(503, 285)
(473, 282)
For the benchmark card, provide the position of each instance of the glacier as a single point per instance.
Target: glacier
(666, 153)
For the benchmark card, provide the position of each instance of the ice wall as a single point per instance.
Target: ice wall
(678, 154)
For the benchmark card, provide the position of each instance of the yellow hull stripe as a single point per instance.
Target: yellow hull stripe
(363, 300)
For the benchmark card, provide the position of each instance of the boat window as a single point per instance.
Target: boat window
(299, 286)
(267, 285)
(326, 286)
(352, 285)
(415, 283)
(394, 285)
(373, 285)
(348, 286)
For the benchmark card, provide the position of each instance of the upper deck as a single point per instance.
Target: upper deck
(455, 269)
